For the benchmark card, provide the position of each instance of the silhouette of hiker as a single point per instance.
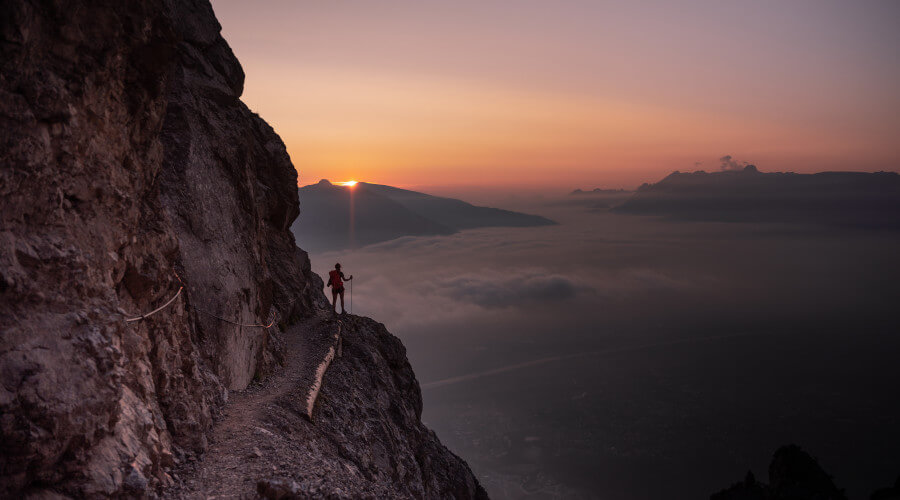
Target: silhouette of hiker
(335, 281)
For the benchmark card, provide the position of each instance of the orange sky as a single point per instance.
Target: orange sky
(569, 94)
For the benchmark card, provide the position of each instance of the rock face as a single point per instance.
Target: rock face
(229, 190)
(127, 157)
(89, 404)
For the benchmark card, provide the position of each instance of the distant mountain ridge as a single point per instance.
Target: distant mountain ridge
(599, 191)
(381, 213)
(857, 199)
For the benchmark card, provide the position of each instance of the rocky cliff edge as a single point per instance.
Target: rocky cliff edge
(133, 180)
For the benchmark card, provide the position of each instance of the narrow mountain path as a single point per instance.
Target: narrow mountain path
(243, 445)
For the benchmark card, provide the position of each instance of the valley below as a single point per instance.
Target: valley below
(618, 356)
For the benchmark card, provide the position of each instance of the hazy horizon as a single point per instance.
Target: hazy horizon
(517, 197)
(590, 93)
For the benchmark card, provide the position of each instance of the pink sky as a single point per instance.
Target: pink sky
(570, 94)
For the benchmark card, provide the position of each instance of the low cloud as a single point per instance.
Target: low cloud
(413, 283)
(728, 163)
(497, 291)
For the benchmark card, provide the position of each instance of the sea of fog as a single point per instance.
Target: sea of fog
(627, 357)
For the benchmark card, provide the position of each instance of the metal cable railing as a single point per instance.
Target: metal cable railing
(178, 293)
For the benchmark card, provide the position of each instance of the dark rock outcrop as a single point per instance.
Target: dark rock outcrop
(889, 493)
(126, 157)
(793, 475)
(279, 488)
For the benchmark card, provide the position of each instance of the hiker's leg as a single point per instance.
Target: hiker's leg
(342, 300)
(334, 295)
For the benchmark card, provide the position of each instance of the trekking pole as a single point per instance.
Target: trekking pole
(351, 296)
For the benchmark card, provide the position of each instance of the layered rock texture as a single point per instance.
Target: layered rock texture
(227, 186)
(130, 170)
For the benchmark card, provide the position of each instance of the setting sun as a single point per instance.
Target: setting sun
(346, 183)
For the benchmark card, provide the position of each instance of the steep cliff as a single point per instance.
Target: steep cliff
(132, 177)
(229, 190)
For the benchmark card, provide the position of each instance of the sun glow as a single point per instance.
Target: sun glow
(347, 183)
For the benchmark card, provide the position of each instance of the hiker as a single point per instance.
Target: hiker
(336, 282)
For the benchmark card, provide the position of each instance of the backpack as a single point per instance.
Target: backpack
(334, 279)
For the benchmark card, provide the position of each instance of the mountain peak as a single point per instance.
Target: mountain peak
(381, 213)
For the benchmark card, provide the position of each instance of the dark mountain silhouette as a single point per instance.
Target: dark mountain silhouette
(793, 475)
(888, 493)
(598, 191)
(324, 221)
(454, 213)
(856, 199)
(383, 213)
(595, 200)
